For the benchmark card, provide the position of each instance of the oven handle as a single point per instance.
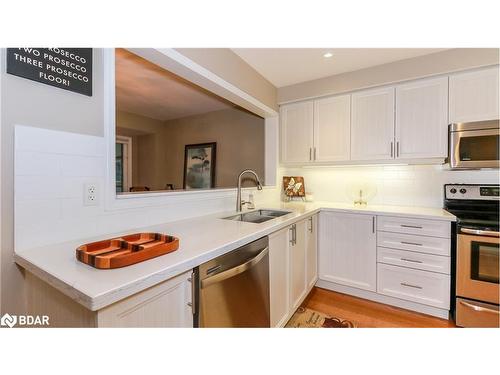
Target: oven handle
(479, 232)
(479, 308)
(235, 270)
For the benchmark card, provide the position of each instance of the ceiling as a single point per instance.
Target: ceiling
(146, 89)
(287, 66)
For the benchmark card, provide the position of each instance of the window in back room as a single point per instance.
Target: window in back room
(174, 135)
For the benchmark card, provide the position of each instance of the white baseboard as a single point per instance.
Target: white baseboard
(372, 296)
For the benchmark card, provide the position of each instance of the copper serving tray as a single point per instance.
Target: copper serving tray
(126, 250)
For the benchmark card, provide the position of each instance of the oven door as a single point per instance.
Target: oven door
(477, 266)
(473, 149)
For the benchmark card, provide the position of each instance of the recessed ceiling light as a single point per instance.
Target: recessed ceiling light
(328, 55)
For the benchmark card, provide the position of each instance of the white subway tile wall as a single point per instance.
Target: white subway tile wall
(51, 168)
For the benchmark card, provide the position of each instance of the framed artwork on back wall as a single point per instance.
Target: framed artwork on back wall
(199, 166)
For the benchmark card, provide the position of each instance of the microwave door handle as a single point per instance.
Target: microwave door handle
(479, 232)
(479, 308)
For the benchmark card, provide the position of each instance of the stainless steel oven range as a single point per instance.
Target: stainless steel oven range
(477, 253)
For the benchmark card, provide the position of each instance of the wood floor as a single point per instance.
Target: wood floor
(368, 314)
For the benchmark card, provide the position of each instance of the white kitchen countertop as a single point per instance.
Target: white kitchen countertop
(201, 239)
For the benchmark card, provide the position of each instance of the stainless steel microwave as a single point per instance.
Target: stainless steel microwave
(474, 145)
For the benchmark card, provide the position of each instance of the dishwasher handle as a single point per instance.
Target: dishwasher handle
(235, 270)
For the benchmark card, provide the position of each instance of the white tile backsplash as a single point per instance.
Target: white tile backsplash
(408, 185)
(29, 163)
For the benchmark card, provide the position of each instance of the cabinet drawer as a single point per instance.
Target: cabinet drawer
(428, 288)
(411, 259)
(420, 244)
(436, 228)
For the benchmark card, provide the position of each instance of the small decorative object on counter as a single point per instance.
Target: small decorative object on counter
(293, 187)
(126, 250)
(361, 193)
(360, 200)
(309, 196)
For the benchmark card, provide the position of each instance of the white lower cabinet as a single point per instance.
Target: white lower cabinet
(348, 249)
(428, 288)
(312, 251)
(395, 260)
(292, 268)
(167, 304)
(279, 279)
(298, 266)
(413, 259)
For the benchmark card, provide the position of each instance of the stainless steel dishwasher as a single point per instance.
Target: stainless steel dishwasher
(233, 289)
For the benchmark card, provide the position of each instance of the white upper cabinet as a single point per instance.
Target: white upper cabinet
(422, 119)
(332, 133)
(372, 126)
(474, 96)
(296, 132)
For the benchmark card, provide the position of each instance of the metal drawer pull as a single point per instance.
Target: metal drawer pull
(411, 260)
(411, 226)
(479, 308)
(481, 232)
(412, 286)
(411, 243)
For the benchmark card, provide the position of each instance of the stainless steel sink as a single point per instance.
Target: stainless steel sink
(258, 216)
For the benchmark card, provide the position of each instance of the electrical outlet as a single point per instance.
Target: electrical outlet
(90, 195)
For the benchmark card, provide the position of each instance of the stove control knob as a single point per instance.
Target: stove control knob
(463, 191)
(453, 190)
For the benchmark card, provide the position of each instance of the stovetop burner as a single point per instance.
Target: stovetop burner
(475, 206)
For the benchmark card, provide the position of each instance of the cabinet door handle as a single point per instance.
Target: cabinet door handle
(294, 234)
(314, 153)
(373, 224)
(411, 260)
(192, 304)
(397, 149)
(411, 226)
(411, 243)
(311, 227)
(411, 286)
(310, 153)
(291, 235)
(392, 149)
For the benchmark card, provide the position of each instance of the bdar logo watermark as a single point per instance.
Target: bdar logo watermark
(10, 321)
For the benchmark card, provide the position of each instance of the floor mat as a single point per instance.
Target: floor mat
(307, 318)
